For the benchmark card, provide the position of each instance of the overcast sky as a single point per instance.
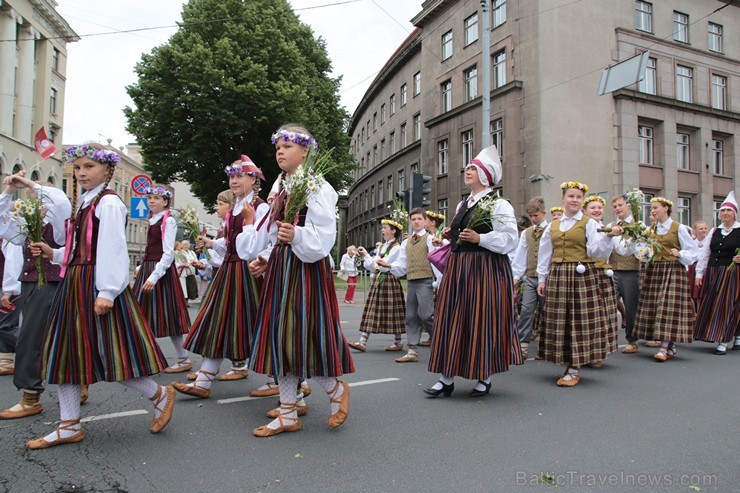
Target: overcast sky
(360, 37)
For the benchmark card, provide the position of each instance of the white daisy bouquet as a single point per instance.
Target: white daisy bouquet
(306, 182)
(483, 213)
(187, 219)
(28, 214)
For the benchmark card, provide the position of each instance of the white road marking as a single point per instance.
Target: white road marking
(110, 416)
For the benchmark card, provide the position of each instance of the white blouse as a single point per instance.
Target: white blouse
(13, 267)
(251, 241)
(371, 263)
(168, 246)
(519, 264)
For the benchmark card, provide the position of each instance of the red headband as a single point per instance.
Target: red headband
(249, 167)
(476, 162)
(730, 205)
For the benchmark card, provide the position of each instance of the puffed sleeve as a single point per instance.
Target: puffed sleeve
(368, 262)
(314, 241)
(689, 247)
(504, 236)
(111, 269)
(598, 245)
(703, 256)
(544, 255)
(397, 258)
(13, 268)
(251, 241)
(168, 251)
(519, 264)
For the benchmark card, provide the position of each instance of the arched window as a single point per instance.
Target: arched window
(35, 176)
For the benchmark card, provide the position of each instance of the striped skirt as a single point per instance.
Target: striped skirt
(577, 325)
(80, 347)
(298, 329)
(385, 308)
(718, 319)
(225, 323)
(475, 332)
(666, 311)
(165, 307)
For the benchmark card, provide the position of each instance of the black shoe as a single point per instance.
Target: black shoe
(481, 393)
(446, 390)
(718, 352)
(736, 347)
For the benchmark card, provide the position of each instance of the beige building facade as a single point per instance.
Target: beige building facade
(673, 134)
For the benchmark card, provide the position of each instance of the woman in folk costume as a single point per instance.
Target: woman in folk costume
(576, 324)
(157, 287)
(666, 311)
(718, 275)
(96, 331)
(700, 234)
(227, 317)
(298, 333)
(385, 308)
(474, 334)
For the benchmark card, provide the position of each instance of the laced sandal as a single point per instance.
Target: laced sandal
(274, 413)
(285, 409)
(64, 425)
(193, 376)
(272, 389)
(663, 355)
(233, 375)
(339, 417)
(631, 348)
(396, 346)
(569, 382)
(84, 393)
(596, 364)
(359, 346)
(29, 405)
(7, 365)
(165, 413)
(183, 364)
(194, 389)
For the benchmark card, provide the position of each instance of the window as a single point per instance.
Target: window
(393, 104)
(401, 180)
(375, 122)
(718, 167)
(443, 156)
(471, 29)
(684, 83)
(390, 188)
(680, 27)
(446, 45)
(467, 147)
(644, 16)
(645, 145)
(417, 127)
(392, 138)
(684, 211)
(362, 133)
(442, 209)
(471, 83)
(403, 135)
(499, 12)
(52, 133)
(375, 154)
(414, 168)
(719, 92)
(55, 59)
(646, 207)
(380, 192)
(417, 84)
(446, 96)
(382, 113)
(497, 136)
(372, 196)
(382, 149)
(682, 150)
(367, 160)
(715, 37)
(367, 125)
(716, 204)
(404, 95)
(648, 85)
(64, 186)
(362, 163)
(53, 102)
(499, 69)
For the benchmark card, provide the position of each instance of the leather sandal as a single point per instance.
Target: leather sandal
(233, 375)
(339, 417)
(182, 365)
(195, 389)
(165, 413)
(274, 413)
(64, 425)
(358, 346)
(631, 348)
(272, 389)
(265, 431)
(84, 393)
(396, 346)
(7, 365)
(570, 382)
(30, 405)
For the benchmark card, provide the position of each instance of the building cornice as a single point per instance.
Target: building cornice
(669, 43)
(390, 159)
(634, 95)
(44, 11)
(515, 85)
(430, 10)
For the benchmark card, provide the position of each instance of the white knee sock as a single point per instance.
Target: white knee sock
(210, 365)
(178, 342)
(288, 396)
(69, 408)
(147, 387)
(329, 384)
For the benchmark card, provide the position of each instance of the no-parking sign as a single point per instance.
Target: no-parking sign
(140, 183)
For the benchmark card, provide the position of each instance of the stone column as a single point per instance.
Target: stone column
(24, 103)
(8, 21)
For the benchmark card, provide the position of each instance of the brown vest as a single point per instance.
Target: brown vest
(666, 243)
(623, 262)
(417, 264)
(571, 245)
(80, 253)
(51, 271)
(236, 226)
(533, 250)
(154, 241)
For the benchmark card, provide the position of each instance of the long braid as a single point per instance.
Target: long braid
(256, 190)
(74, 196)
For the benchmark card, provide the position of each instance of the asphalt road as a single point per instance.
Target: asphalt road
(633, 425)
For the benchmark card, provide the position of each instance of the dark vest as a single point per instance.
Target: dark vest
(80, 253)
(235, 227)
(722, 248)
(51, 271)
(459, 223)
(154, 241)
(2, 265)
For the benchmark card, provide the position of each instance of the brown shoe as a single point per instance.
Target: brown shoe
(182, 365)
(339, 417)
(165, 414)
(596, 364)
(410, 357)
(195, 389)
(84, 393)
(396, 346)
(7, 363)
(525, 352)
(631, 348)
(306, 390)
(28, 406)
(571, 382)
(234, 375)
(663, 355)
(193, 376)
(274, 413)
(272, 389)
(426, 343)
(358, 346)
(67, 424)
(264, 431)
(652, 344)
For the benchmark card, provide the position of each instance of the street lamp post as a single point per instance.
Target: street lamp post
(486, 74)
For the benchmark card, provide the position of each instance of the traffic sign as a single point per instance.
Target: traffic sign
(140, 183)
(139, 208)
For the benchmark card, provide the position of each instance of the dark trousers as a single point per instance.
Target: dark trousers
(628, 288)
(9, 329)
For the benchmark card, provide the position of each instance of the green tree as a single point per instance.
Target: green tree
(224, 82)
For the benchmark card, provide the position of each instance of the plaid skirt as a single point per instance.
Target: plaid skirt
(609, 292)
(666, 311)
(718, 319)
(577, 326)
(165, 307)
(385, 308)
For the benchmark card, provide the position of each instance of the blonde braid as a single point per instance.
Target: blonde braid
(256, 190)
(74, 196)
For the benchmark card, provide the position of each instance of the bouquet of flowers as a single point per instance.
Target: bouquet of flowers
(187, 219)
(483, 213)
(28, 215)
(731, 267)
(306, 182)
(399, 215)
(637, 231)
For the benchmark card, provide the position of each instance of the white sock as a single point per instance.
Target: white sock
(147, 387)
(210, 365)
(270, 384)
(572, 373)
(364, 336)
(178, 342)
(300, 402)
(330, 384)
(288, 393)
(737, 341)
(722, 347)
(239, 365)
(69, 408)
(481, 384)
(664, 345)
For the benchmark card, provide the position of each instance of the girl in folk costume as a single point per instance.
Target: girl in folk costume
(35, 300)
(157, 287)
(386, 305)
(576, 324)
(298, 333)
(557, 212)
(718, 275)
(226, 321)
(96, 330)
(700, 233)
(666, 311)
(474, 334)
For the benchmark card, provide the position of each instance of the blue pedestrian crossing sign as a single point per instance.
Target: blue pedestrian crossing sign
(139, 208)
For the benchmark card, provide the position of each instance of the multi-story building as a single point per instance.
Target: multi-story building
(33, 60)
(673, 134)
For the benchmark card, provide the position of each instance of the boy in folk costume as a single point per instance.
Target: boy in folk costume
(524, 270)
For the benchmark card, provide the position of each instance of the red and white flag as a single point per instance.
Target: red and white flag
(43, 145)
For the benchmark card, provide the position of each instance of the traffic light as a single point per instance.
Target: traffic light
(420, 192)
(405, 198)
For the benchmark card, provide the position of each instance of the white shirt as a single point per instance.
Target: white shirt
(706, 250)
(168, 246)
(58, 209)
(13, 267)
(347, 264)
(519, 263)
(250, 242)
(597, 244)
(371, 263)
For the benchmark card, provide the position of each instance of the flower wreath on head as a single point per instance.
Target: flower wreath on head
(593, 198)
(161, 191)
(574, 184)
(238, 169)
(100, 155)
(557, 209)
(435, 215)
(296, 137)
(391, 222)
(663, 200)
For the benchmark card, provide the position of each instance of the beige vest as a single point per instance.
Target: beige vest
(623, 262)
(667, 242)
(571, 245)
(417, 264)
(533, 250)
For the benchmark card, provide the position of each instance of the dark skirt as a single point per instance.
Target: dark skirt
(385, 308)
(609, 293)
(80, 347)
(475, 332)
(225, 323)
(666, 311)
(298, 329)
(718, 319)
(165, 307)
